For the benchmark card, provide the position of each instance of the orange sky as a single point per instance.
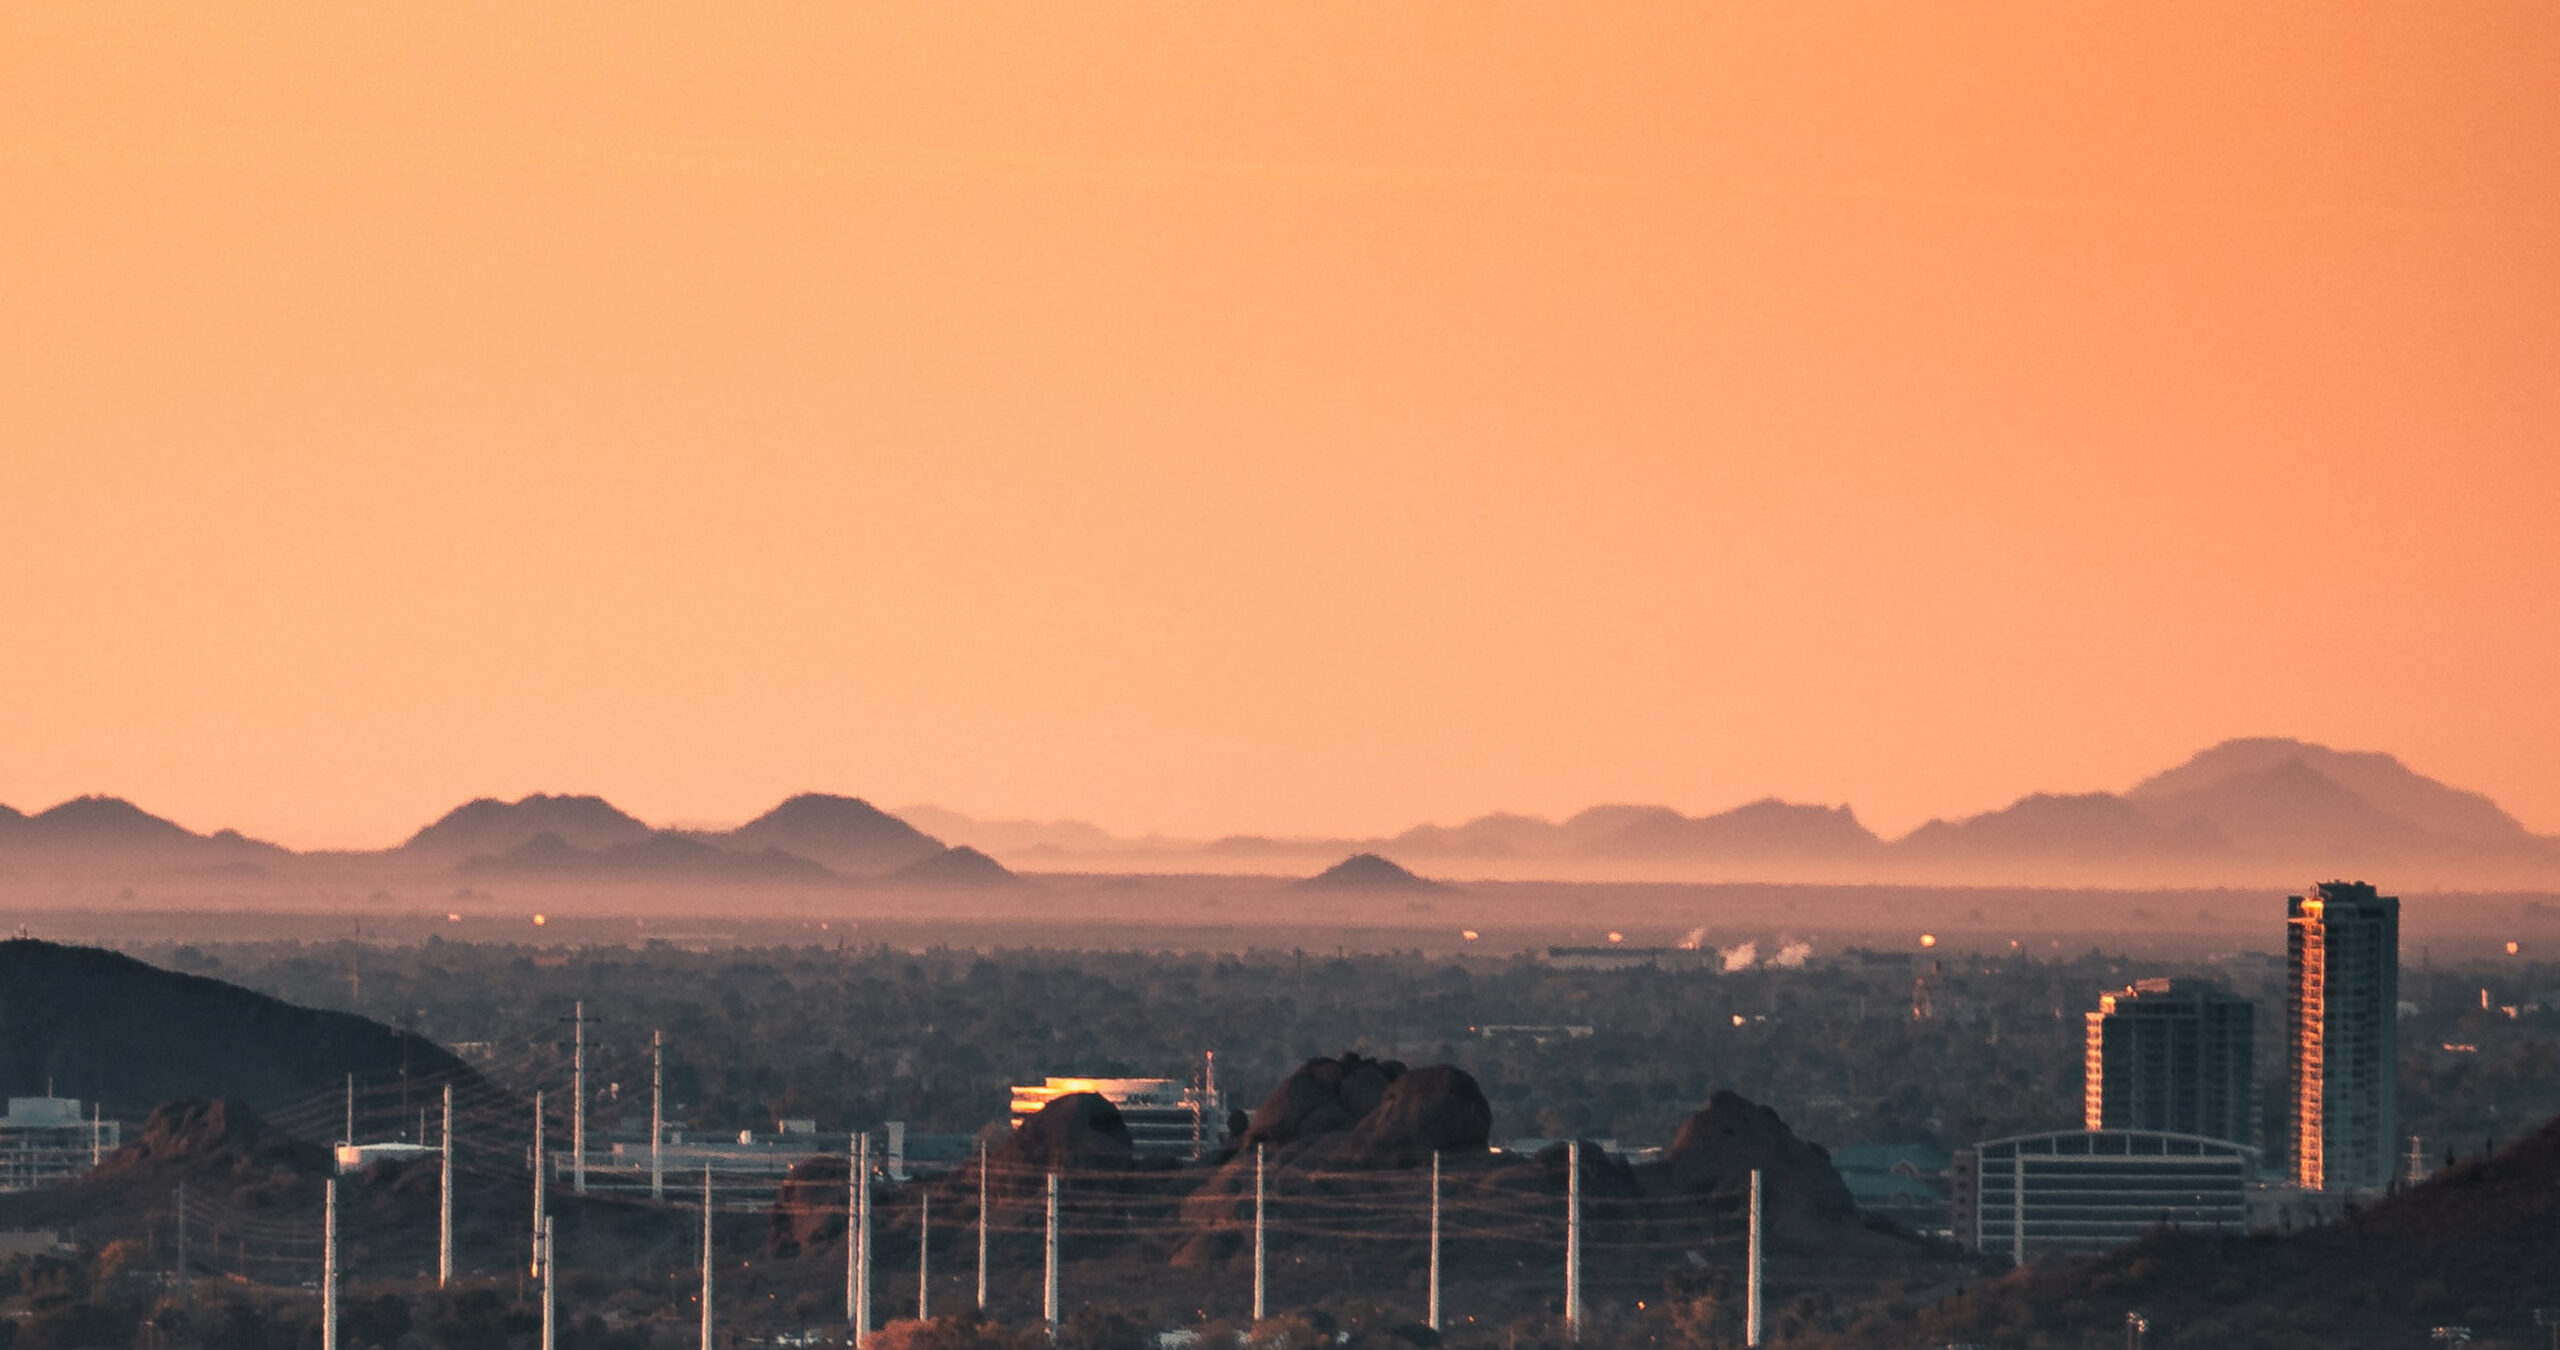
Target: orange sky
(1309, 417)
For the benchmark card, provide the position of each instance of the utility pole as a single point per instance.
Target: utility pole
(97, 1132)
(657, 1114)
(852, 1228)
(351, 1110)
(859, 1240)
(982, 1225)
(578, 1109)
(1573, 1240)
(1258, 1270)
(329, 1266)
(1049, 1265)
(549, 1270)
(182, 1238)
(1751, 1273)
(540, 1166)
(1433, 1321)
(706, 1256)
(924, 1254)
(444, 1200)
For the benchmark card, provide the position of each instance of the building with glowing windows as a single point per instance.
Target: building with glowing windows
(1165, 1117)
(2342, 1002)
(2172, 1055)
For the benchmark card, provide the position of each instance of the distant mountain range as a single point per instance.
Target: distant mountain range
(810, 840)
(2238, 812)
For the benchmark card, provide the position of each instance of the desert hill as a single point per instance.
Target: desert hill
(102, 1026)
(961, 868)
(2462, 1249)
(487, 827)
(844, 834)
(1367, 872)
(2378, 780)
(111, 834)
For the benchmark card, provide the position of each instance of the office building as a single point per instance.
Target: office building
(2091, 1190)
(2342, 1001)
(1166, 1118)
(46, 1141)
(2171, 1055)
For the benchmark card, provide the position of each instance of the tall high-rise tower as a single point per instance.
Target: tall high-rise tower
(2342, 1005)
(2172, 1055)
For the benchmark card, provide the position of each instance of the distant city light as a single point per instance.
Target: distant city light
(453, 918)
(539, 920)
(1468, 933)
(1621, 937)
(1737, 1019)
(1928, 939)
(2514, 947)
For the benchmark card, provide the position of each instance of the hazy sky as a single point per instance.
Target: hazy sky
(1299, 417)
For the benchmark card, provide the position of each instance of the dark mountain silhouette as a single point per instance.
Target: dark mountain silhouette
(962, 868)
(847, 834)
(1366, 872)
(112, 834)
(2241, 811)
(99, 1025)
(2262, 802)
(2290, 809)
(1761, 829)
(1020, 836)
(2378, 780)
(1586, 828)
(1501, 835)
(653, 857)
(2081, 827)
(487, 827)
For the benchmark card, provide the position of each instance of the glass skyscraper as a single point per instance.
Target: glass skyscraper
(2342, 1004)
(2172, 1055)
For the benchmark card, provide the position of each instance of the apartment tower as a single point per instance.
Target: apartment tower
(2172, 1055)
(2342, 1003)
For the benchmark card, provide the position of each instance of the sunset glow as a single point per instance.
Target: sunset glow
(1317, 419)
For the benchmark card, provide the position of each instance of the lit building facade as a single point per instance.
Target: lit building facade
(1166, 1117)
(2173, 1055)
(2342, 1002)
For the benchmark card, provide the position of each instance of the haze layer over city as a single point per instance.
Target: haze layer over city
(1152, 677)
